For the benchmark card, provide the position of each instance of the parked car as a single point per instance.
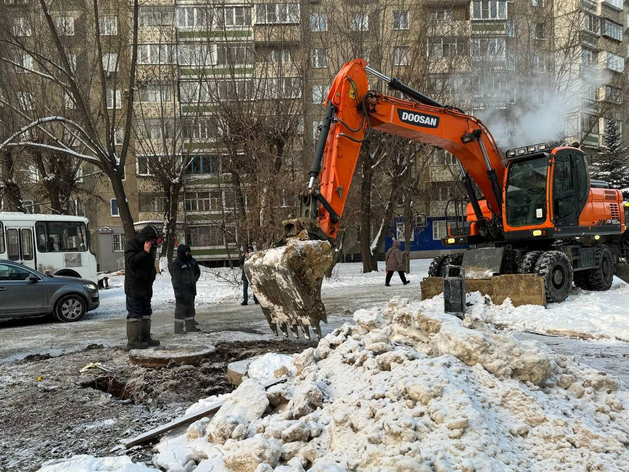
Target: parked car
(25, 292)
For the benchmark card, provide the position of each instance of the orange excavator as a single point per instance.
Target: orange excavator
(533, 210)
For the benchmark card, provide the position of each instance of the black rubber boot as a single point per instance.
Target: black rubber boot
(133, 336)
(179, 328)
(190, 327)
(145, 335)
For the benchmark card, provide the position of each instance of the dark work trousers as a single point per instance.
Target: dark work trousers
(138, 308)
(245, 291)
(390, 274)
(184, 309)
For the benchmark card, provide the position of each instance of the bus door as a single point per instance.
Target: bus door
(20, 246)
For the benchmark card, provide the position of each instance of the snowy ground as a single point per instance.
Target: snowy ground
(597, 315)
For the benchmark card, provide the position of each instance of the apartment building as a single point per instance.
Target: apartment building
(205, 67)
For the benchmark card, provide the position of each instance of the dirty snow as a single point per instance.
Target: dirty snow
(407, 388)
(85, 463)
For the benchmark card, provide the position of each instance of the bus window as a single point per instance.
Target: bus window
(13, 245)
(27, 244)
(42, 239)
(1, 239)
(66, 236)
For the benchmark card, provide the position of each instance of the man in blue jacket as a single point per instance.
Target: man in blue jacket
(184, 274)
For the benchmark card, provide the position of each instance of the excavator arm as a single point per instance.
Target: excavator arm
(287, 279)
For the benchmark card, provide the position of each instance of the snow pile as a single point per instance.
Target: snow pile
(406, 390)
(86, 463)
(270, 366)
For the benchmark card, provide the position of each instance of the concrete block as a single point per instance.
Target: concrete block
(522, 289)
(237, 370)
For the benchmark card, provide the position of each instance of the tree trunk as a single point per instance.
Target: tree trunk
(370, 263)
(171, 197)
(123, 205)
(11, 188)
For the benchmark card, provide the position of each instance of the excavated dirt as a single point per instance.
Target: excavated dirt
(57, 411)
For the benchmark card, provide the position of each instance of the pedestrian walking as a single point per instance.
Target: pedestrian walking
(185, 273)
(139, 256)
(245, 282)
(395, 263)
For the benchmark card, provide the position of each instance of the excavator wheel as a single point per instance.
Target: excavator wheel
(527, 263)
(556, 270)
(600, 278)
(440, 262)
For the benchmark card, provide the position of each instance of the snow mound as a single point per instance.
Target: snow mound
(270, 366)
(85, 463)
(406, 390)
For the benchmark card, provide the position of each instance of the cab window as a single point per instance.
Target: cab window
(1, 238)
(526, 192)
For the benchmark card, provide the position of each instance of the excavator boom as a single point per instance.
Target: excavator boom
(287, 279)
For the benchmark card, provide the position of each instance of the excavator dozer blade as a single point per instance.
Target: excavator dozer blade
(287, 282)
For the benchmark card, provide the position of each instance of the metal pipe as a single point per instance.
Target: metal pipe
(484, 151)
(315, 170)
(378, 74)
(395, 84)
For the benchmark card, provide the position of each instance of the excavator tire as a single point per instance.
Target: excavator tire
(600, 278)
(527, 263)
(440, 262)
(556, 270)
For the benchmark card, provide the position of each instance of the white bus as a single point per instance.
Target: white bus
(52, 244)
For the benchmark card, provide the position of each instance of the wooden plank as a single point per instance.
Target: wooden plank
(182, 420)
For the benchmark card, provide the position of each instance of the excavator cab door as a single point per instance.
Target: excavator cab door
(570, 187)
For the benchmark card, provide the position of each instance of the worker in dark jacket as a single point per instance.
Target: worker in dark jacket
(245, 281)
(139, 256)
(395, 263)
(184, 273)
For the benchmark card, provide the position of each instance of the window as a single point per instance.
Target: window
(68, 101)
(76, 207)
(1, 239)
(203, 201)
(447, 46)
(526, 192)
(196, 54)
(21, 27)
(359, 22)
(26, 61)
(72, 62)
(489, 10)
(272, 13)
(66, 236)
(234, 54)
(146, 165)
(13, 244)
(156, 129)
(612, 30)
(318, 22)
(200, 129)
(64, 25)
(114, 101)
(108, 25)
(8, 273)
(439, 230)
(155, 93)
(319, 58)
(287, 87)
(192, 17)
(488, 48)
(119, 242)
(27, 100)
(442, 14)
(110, 62)
(614, 3)
(235, 16)
(156, 53)
(203, 236)
(204, 165)
(588, 56)
(319, 93)
(156, 16)
(615, 62)
(278, 56)
(591, 23)
(399, 231)
(400, 56)
(400, 19)
(537, 3)
(613, 94)
(539, 62)
(113, 206)
(590, 124)
(118, 136)
(152, 202)
(540, 31)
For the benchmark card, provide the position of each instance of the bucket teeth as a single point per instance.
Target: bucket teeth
(295, 330)
(284, 329)
(287, 282)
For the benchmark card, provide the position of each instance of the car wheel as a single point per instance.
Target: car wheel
(555, 268)
(70, 308)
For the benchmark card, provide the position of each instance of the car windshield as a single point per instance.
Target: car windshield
(526, 192)
(61, 236)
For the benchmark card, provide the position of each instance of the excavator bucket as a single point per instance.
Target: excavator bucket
(287, 282)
